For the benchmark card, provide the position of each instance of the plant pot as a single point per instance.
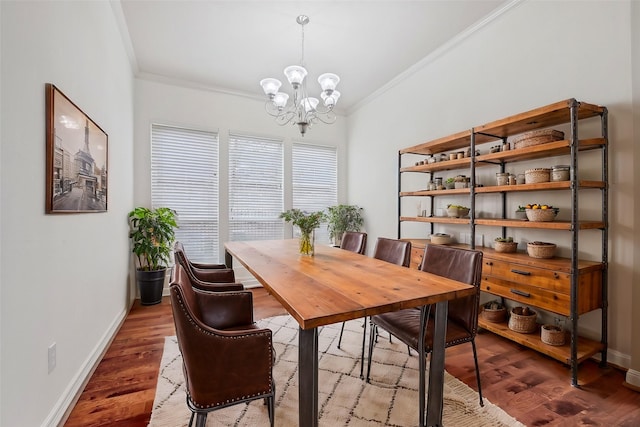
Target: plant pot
(150, 285)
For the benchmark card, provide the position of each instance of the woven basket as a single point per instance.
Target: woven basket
(505, 247)
(552, 335)
(537, 137)
(494, 315)
(541, 215)
(541, 250)
(534, 176)
(522, 324)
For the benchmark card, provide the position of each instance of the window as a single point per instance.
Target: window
(314, 180)
(184, 177)
(256, 195)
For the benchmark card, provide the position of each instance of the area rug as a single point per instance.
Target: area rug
(391, 399)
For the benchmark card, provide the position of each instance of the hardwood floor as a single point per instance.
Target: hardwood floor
(532, 388)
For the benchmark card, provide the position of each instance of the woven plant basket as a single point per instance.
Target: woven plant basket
(505, 247)
(525, 324)
(541, 215)
(498, 315)
(537, 137)
(542, 250)
(552, 335)
(534, 176)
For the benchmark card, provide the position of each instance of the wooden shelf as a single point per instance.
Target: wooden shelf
(551, 225)
(435, 219)
(543, 186)
(435, 192)
(586, 347)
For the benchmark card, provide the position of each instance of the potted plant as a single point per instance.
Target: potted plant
(152, 232)
(306, 222)
(343, 218)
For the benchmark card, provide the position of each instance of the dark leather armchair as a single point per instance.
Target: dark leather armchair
(208, 277)
(396, 252)
(462, 321)
(354, 241)
(226, 358)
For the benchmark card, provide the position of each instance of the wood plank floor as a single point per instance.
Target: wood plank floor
(532, 388)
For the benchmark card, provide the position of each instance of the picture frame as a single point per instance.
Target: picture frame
(76, 156)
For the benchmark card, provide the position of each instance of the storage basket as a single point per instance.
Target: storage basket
(534, 176)
(552, 335)
(537, 137)
(506, 247)
(494, 315)
(541, 215)
(541, 249)
(441, 239)
(524, 324)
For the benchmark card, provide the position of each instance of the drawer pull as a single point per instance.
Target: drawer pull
(524, 273)
(519, 292)
(488, 263)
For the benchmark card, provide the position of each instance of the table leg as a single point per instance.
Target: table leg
(436, 367)
(308, 377)
(228, 259)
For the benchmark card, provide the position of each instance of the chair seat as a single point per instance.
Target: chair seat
(405, 325)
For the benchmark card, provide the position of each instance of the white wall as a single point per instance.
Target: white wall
(160, 102)
(533, 54)
(63, 278)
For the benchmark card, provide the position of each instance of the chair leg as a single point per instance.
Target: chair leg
(271, 409)
(373, 338)
(475, 359)
(201, 419)
(191, 419)
(340, 338)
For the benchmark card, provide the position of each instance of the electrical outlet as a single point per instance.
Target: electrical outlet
(51, 357)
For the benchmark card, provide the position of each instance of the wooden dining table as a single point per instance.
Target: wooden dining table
(336, 285)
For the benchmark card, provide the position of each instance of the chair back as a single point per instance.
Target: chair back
(199, 275)
(354, 241)
(394, 251)
(464, 266)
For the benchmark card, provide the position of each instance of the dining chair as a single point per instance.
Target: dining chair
(227, 359)
(391, 250)
(458, 264)
(208, 277)
(354, 241)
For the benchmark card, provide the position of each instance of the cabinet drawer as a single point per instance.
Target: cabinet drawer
(530, 295)
(526, 275)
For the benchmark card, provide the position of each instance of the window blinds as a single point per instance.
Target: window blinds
(314, 181)
(256, 195)
(184, 177)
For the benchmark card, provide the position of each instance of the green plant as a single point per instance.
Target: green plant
(344, 218)
(152, 232)
(504, 239)
(306, 222)
(450, 180)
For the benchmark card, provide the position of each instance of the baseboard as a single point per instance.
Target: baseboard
(63, 407)
(632, 379)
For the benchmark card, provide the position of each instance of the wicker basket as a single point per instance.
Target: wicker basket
(537, 137)
(505, 247)
(541, 250)
(494, 315)
(534, 176)
(552, 335)
(541, 215)
(525, 324)
(441, 239)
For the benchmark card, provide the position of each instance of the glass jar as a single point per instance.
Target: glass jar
(438, 183)
(560, 173)
(502, 178)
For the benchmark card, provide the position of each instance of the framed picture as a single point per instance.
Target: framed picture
(76, 158)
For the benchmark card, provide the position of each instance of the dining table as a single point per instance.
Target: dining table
(335, 285)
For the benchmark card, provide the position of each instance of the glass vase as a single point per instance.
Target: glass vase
(307, 242)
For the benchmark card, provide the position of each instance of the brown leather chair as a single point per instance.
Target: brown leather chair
(208, 277)
(354, 241)
(226, 358)
(462, 322)
(396, 252)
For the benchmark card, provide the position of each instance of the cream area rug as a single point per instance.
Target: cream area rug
(391, 399)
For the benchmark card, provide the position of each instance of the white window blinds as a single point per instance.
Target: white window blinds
(256, 195)
(314, 180)
(184, 177)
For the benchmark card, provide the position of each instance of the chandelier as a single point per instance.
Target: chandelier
(304, 111)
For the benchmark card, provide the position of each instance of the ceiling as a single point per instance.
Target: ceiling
(231, 45)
